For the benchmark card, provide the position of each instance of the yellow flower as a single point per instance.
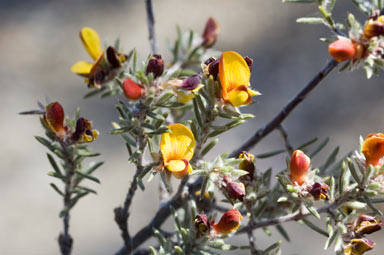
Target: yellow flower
(101, 69)
(234, 76)
(177, 149)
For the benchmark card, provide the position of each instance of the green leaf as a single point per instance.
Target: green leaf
(327, 16)
(86, 153)
(314, 227)
(94, 167)
(87, 176)
(306, 144)
(310, 20)
(330, 160)
(330, 239)
(272, 247)
(341, 180)
(353, 171)
(45, 142)
(197, 113)
(299, 1)
(122, 130)
(57, 189)
(54, 164)
(320, 147)
(313, 211)
(269, 154)
(283, 232)
(209, 146)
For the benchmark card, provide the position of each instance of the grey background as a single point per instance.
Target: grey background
(39, 43)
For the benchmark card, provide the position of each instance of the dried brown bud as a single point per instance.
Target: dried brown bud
(210, 34)
(191, 83)
(359, 246)
(213, 67)
(249, 62)
(319, 191)
(234, 190)
(202, 224)
(155, 66)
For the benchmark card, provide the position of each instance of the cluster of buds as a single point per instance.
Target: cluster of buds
(228, 223)
(53, 120)
(356, 243)
(299, 167)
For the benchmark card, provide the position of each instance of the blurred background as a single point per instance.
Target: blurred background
(38, 44)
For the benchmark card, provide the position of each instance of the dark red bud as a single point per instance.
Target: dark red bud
(155, 66)
(234, 190)
(112, 57)
(213, 68)
(210, 34)
(249, 62)
(319, 191)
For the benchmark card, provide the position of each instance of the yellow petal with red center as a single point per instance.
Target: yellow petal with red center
(91, 42)
(233, 72)
(238, 98)
(179, 144)
(82, 68)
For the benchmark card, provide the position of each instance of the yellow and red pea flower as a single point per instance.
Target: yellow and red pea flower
(53, 119)
(177, 148)
(374, 26)
(105, 63)
(299, 166)
(229, 222)
(359, 246)
(247, 164)
(366, 224)
(319, 191)
(373, 149)
(84, 132)
(202, 224)
(234, 74)
(185, 89)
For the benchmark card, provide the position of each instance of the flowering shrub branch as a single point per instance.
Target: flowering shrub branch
(170, 117)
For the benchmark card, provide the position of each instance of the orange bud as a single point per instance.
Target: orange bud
(373, 149)
(342, 50)
(132, 90)
(229, 222)
(210, 34)
(54, 119)
(299, 167)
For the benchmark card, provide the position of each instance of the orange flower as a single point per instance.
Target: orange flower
(373, 149)
(229, 222)
(132, 90)
(54, 119)
(299, 167)
(177, 149)
(234, 76)
(342, 49)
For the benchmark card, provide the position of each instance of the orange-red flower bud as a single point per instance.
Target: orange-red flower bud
(155, 66)
(342, 50)
(366, 224)
(299, 167)
(210, 34)
(132, 90)
(373, 149)
(229, 222)
(54, 119)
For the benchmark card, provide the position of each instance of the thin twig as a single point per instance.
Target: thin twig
(296, 216)
(284, 135)
(151, 25)
(286, 110)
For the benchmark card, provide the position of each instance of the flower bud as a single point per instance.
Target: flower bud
(54, 119)
(247, 165)
(234, 190)
(342, 50)
(202, 224)
(359, 51)
(373, 149)
(299, 167)
(359, 246)
(319, 191)
(155, 66)
(84, 131)
(191, 83)
(366, 224)
(212, 67)
(229, 222)
(210, 34)
(249, 62)
(132, 90)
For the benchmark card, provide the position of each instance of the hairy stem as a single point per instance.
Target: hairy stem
(286, 110)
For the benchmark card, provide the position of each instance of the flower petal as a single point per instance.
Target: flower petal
(91, 42)
(238, 97)
(82, 68)
(176, 165)
(178, 144)
(373, 148)
(233, 72)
